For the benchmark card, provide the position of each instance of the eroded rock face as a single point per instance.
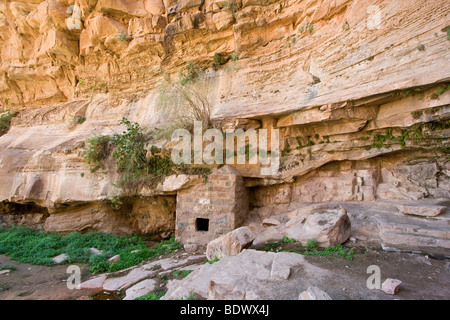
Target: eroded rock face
(329, 227)
(355, 123)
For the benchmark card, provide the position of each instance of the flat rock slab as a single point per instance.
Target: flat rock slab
(270, 222)
(94, 283)
(279, 270)
(314, 293)
(135, 275)
(246, 276)
(423, 211)
(140, 289)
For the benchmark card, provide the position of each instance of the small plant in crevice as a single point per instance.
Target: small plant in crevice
(447, 30)
(416, 114)
(407, 93)
(288, 240)
(76, 120)
(315, 81)
(312, 244)
(441, 90)
(231, 6)
(234, 56)
(5, 121)
(309, 28)
(189, 73)
(183, 273)
(219, 59)
(212, 261)
(417, 133)
(346, 26)
(122, 36)
(421, 47)
(97, 150)
(152, 296)
(285, 152)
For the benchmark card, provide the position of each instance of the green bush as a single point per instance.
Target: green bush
(97, 150)
(130, 153)
(189, 73)
(312, 244)
(288, 240)
(219, 60)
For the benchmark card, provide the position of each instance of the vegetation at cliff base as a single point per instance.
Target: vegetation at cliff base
(310, 249)
(5, 121)
(152, 296)
(28, 246)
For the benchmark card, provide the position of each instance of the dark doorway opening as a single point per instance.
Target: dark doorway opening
(202, 224)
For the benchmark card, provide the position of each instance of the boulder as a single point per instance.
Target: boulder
(95, 251)
(5, 272)
(60, 259)
(114, 259)
(190, 247)
(230, 244)
(328, 226)
(423, 211)
(314, 293)
(391, 286)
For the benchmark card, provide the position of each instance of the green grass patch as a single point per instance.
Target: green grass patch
(183, 273)
(38, 248)
(212, 261)
(311, 249)
(338, 250)
(288, 240)
(152, 296)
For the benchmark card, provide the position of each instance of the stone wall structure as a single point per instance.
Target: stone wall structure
(213, 208)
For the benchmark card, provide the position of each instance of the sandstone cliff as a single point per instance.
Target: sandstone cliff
(359, 91)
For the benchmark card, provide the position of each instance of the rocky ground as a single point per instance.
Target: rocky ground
(249, 275)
